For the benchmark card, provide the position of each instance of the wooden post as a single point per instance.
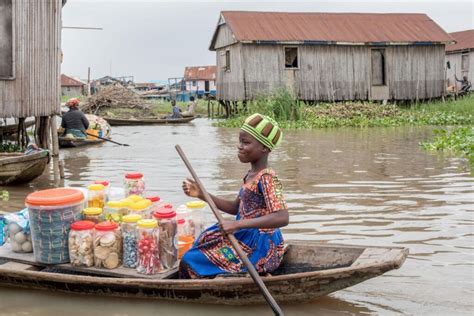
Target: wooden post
(89, 81)
(54, 136)
(208, 107)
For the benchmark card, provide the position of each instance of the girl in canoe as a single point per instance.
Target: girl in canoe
(260, 211)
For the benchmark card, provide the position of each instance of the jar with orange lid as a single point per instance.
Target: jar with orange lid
(93, 214)
(166, 217)
(141, 207)
(130, 240)
(107, 245)
(148, 247)
(96, 195)
(51, 213)
(134, 183)
(81, 244)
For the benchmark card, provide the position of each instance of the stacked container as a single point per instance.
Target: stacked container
(106, 185)
(130, 240)
(51, 214)
(93, 214)
(81, 242)
(107, 245)
(142, 208)
(156, 203)
(148, 247)
(134, 183)
(168, 226)
(197, 221)
(96, 195)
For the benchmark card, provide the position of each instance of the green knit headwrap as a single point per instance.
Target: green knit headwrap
(264, 129)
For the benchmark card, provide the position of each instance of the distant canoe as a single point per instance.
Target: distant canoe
(309, 270)
(13, 128)
(65, 142)
(147, 121)
(17, 168)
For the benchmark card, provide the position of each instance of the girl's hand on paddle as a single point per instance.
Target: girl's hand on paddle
(229, 227)
(190, 188)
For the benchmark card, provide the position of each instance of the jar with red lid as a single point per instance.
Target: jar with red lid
(156, 203)
(81, 244)
(148, 247)
(107, 245)
(134, 184)
(168, 227)
(106, 185)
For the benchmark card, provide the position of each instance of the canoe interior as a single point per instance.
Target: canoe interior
(78, 142)
(17, 168)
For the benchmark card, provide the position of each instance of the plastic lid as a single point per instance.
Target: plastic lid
(115, 204)
(92, 211)
(181, 221)
(153, 198)
(131, 218)
(105, 183)
(134, 198)
(147, 223)
(140, 205)
(104, 226)
(133, 175)
(125, 203)
(164, 212)
(54, 197)
(96, 187)
(196, 204)
(82, 225)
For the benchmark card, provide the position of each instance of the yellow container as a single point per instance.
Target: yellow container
(94, 132)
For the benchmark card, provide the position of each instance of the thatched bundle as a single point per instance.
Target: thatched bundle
(114, 96)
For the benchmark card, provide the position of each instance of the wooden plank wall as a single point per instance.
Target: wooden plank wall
(230, 84)
(35, 91)
(455, 61)
(334, 73)
(225, 37)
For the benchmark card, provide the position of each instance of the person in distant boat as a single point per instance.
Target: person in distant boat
(74, 121)
(176, 111)
(260, 211)
(465, 84)
(191, 111)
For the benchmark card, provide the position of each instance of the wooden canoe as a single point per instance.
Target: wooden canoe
(147, 121)
(309, 270)
(13, 128)
(65, 142)
(17, 168)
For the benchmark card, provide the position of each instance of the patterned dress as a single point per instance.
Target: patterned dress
(213, 254)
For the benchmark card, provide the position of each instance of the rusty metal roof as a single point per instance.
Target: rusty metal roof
(200, 73)
(333, 28)
(464, 41)
(67, 81)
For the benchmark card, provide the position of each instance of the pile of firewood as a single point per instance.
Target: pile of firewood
(114, 96)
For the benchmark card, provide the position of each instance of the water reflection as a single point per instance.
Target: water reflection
(352, 186)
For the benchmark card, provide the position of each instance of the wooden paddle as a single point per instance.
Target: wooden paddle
(109, 140)
(253, 273)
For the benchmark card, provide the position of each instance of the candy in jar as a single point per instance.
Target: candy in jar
(134, 184)
(93, 214)
(148, 247)
(107, 245)
(81, 244)
(168, 237)
(130, 240)
(106, 185)
(96, 195)
(115, 210)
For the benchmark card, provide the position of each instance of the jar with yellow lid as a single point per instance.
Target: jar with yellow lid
(93, 214)
(135, 198)
(148, 247)
(130, 240)
(115, 210)
(96, 195)
(197, 217)
(142, 207)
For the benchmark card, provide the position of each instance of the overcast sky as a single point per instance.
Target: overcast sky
(154, 40)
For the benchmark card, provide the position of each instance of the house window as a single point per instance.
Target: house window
(291, 57)
(378, 67)
(194, 83)
(464, 62)
(227, 60)
(6, 36)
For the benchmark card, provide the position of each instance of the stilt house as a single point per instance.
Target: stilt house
(460, 57)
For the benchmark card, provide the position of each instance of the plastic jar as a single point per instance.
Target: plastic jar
(96, 195)
(18, 228)
(107, 245)
(156, 203)
(81, 244)
(51, 214)
(183, 216)
(93, 214)
(142, 208)
(130, 240)
(148, 246)
(115, 210)
(106, 185)
(134, 183)
(135, 198)
(197, 220)
(168, 226)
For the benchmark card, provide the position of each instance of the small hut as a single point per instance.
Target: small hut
(30, 61)
(71, 87)
(329, 56)
(460, 57)
(201, 80)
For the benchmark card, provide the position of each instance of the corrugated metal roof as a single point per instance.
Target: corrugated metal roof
(200, 73)
(337, 28)
(464, 40)
(70, 82)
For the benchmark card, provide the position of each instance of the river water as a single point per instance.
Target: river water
(354, 186)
